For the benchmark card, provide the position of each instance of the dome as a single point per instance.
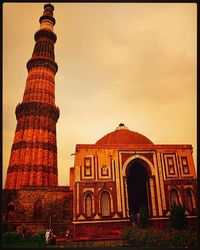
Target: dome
(122, 135)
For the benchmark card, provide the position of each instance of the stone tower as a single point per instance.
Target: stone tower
(33, 159)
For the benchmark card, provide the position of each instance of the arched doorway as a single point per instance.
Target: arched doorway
(137, 187)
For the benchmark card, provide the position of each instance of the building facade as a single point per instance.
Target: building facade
(111, 180)
(124, 171)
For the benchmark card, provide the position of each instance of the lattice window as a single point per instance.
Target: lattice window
(37, 210)
(88, 205)
(189, 202)
(174, 198)
(105, 204)
(11, 210)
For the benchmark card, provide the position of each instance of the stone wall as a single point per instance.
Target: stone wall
(100, 230)
(56, 208)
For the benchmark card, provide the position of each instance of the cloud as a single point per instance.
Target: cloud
(118, 62)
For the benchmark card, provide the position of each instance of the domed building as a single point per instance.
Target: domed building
(122, 135)
(111, 180)
(123, 172)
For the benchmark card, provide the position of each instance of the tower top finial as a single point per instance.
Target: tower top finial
(49, 5)
(47, 20)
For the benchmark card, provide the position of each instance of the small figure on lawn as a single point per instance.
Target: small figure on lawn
(137, 218)
(47, 236)
(67, 234)
(52, 237)
(23, 232)
(132, 216)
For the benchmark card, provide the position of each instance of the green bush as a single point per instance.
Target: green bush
(158, 238)
(177, 217)
(127, 234)
(183, 238)
(39, 237)
(143, 220)
(28, 236)
(139, 238)
(11, 237)
(4, 227)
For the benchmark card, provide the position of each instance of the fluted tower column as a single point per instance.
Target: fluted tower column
(33, 159)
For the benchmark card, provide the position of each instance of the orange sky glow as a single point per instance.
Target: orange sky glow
(133, 63)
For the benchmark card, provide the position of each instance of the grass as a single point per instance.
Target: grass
(24, 244)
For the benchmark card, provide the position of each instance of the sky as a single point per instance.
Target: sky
(131, 63)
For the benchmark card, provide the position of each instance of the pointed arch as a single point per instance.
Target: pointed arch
(105, 203)
(150, 190)
(174, 197)
(145, 161)
(37, 209)
(189, 199)
(88, 205)
(10, 210)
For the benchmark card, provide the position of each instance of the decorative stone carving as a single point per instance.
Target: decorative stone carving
(41, 33)
(34, 108)
(42, 62)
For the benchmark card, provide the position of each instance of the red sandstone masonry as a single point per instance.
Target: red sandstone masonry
(33, 159)
(108, 230)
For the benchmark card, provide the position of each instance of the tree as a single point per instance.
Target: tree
(177, 217)
(143, 221)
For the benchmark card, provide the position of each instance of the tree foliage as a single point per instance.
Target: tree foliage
(177, 217)
(143, 218)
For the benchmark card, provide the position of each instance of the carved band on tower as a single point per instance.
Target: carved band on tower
(33, 159)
